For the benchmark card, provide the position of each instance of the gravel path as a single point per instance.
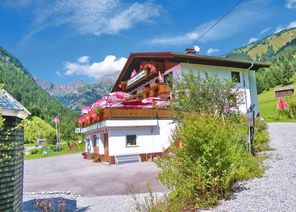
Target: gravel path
(276, 190)
(115, 203)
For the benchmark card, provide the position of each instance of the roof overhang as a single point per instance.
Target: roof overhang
(135, 59)
(22, 114)
(17, 110)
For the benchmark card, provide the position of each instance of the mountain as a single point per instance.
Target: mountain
(269, 47)
(279, 50)
(19, 82)
(58, 89)
(77, 94)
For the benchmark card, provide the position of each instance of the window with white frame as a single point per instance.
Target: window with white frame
(131, 140)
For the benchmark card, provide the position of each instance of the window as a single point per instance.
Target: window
(131, 140)
(235, 76)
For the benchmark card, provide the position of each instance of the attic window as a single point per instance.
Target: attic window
(235, 76)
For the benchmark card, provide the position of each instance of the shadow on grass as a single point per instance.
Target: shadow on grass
(55, 204)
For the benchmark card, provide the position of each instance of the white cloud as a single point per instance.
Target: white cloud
(58, 73)
(289, 26)
(252, 40)
(94, 17)
(212, 51)
(264, 31)
(83, 59)
(290, 4)
(243, 17)
(97, 69)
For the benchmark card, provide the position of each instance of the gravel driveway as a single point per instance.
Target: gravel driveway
(83, 177)
(276, 190)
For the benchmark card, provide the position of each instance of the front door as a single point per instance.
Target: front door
(106, 148)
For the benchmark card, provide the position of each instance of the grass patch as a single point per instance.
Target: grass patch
(64, 151)
(267, 105)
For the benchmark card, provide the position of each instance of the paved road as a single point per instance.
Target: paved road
(72, 173)
(276, 190)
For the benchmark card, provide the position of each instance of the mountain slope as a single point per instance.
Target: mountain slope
(75, 95)
(58, 89)
(278, 49)
(267, 48)
(22, 86)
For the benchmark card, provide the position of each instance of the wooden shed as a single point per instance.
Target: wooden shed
(284, 91)
(11, 153)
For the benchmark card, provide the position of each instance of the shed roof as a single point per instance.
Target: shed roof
(9, 106)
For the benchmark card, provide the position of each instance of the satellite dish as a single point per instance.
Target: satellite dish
(196, 48)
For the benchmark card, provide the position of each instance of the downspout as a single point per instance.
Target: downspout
(244, 81)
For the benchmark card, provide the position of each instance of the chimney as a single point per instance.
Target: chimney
(190, 51)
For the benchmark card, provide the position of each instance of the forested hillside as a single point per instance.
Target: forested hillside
(278, 49)
(22, 86)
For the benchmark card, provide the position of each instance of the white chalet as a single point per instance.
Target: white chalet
(139, 133)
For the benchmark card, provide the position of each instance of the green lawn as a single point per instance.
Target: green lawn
(51, 154)
(31, 144)
(267, 105)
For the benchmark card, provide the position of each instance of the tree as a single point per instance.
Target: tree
(208, 94)
(213, 154)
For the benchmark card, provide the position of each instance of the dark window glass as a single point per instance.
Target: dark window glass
(235, 76)
(131, 140)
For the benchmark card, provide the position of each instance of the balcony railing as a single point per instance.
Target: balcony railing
(125, 113)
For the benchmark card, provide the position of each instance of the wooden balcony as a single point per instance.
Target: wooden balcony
(128, 113)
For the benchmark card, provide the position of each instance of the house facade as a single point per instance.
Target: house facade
(143, 131)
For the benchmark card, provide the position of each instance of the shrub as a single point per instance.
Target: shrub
(261, 136)
(96, 159)
(213, 156)
(33, 151)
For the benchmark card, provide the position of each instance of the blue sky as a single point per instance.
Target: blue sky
(69, 40)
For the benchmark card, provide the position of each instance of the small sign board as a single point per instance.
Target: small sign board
(77, 130)
(251, 118)
(136, 78)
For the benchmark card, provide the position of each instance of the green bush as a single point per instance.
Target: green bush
(213, 156)
(288, 113)
(33, 151)
(261, 136)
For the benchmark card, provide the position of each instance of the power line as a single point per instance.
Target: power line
(229, 11)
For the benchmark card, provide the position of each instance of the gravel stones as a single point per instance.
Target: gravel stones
(276, 190)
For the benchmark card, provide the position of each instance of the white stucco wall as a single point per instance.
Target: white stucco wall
(149, 138)
(247, 85)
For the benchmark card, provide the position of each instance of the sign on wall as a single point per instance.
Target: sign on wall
(139, 76)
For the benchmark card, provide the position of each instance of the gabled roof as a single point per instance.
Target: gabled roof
(9, 106)
(135, 59)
